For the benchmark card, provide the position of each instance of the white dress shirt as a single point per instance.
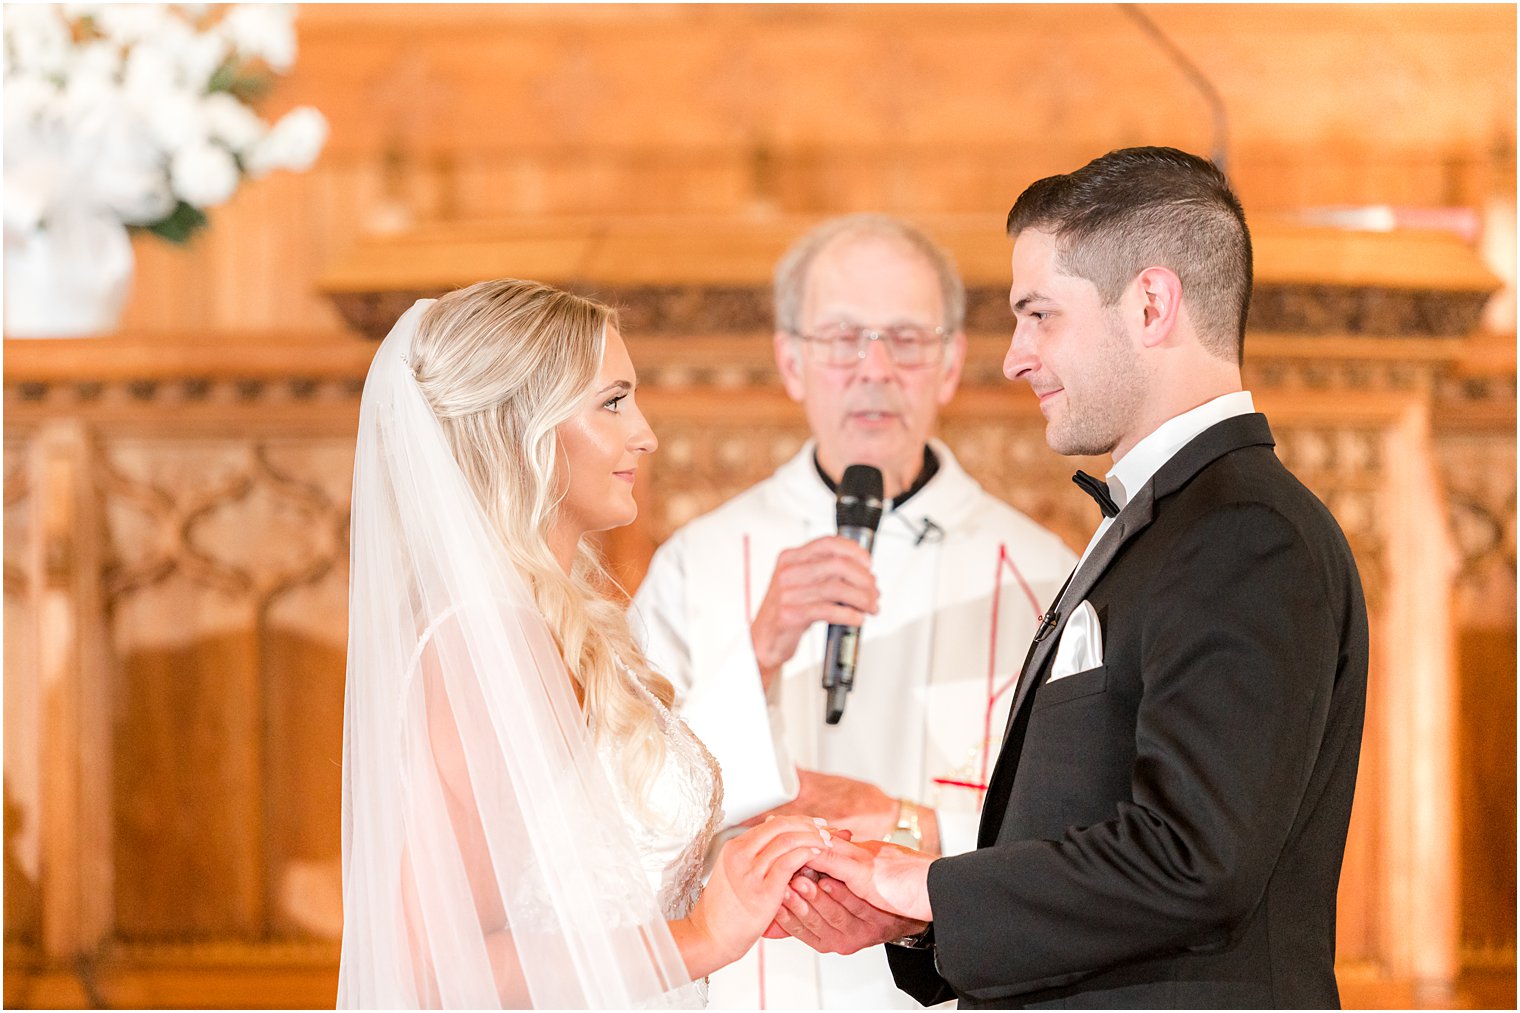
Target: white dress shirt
(1130, 473)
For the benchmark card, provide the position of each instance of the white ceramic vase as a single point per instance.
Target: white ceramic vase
(69, 279)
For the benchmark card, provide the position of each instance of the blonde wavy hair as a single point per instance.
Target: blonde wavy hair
(502, 363)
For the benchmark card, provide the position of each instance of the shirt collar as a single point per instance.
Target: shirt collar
(1146, 457)
(926, 471)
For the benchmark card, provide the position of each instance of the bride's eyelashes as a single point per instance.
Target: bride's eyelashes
(612, 403)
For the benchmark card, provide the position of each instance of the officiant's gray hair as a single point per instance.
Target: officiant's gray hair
(794, 267)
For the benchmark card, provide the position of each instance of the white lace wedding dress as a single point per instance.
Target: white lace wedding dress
(686, 798)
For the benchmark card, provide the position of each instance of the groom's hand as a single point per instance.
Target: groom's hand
(886, 876)
(824, 914)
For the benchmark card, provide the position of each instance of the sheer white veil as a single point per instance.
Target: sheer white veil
(484, 860)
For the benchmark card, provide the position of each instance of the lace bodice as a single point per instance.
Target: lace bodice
(674, 830)
(685, 810)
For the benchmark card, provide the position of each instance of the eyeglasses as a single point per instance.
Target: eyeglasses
(911, 347)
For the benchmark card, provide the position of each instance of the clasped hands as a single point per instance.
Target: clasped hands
(852, 896)
(795, 875)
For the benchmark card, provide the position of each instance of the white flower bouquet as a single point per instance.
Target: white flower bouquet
(143, 112)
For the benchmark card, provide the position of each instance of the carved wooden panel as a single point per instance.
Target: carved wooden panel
(1478, 470)
(221, 507)
(227, 582)
(22, 782)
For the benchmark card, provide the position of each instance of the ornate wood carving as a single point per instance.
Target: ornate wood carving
(250, 536)
(1475, 442)
(1282, 309)
(710, 276)
(220, 506)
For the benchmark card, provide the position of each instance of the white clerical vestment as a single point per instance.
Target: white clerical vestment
(963, 579)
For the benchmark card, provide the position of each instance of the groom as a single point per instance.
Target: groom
(1166, 822)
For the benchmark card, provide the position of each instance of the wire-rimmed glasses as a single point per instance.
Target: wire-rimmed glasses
(908, 346)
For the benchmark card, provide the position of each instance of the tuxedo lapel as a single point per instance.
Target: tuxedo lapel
(1203, 450)
(1133, 519)
(1137, 515)
(1055, 604)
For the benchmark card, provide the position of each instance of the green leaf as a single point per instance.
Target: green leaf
(250, 88)
(183, 222)
(223, 78)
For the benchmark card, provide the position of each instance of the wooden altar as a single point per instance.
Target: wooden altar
(176, 579)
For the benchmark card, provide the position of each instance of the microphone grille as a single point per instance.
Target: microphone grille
(859, 502)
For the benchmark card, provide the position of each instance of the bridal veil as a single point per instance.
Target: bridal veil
(484, 860)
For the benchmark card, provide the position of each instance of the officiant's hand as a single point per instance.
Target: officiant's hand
(824, 914)
(826, 580)
(845, 802)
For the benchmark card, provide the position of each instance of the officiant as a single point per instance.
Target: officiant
(869, 341)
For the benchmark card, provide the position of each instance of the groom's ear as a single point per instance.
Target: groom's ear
(1157, 298)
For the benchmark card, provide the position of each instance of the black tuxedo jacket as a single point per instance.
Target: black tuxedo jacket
(1167, 830)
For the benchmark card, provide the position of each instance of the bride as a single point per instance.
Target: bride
(524, 821)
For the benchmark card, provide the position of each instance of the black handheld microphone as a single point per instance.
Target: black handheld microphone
(857, 511)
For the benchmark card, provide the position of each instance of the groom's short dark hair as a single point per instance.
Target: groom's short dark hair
(1136, 208)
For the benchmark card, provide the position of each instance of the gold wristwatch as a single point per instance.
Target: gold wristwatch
(907, 833)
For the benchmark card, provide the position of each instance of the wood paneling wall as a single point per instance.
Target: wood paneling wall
(176, 577)
(447, 113)
(175, 499)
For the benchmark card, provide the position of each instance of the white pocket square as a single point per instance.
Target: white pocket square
(1081, 646)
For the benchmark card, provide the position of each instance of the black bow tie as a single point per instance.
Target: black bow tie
(1098, 490)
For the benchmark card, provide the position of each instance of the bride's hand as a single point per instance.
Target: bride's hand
(745, 890)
